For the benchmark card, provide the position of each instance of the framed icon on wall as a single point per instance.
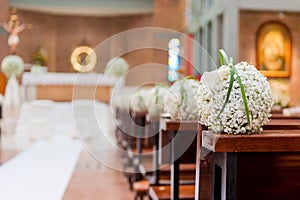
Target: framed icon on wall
(274, 46)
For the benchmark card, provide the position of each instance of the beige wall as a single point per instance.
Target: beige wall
(59, 35)
(4, 50)
(4, 16)
(249, 24)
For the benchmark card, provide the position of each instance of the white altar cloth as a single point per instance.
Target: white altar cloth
(41, 172)
(30, 81)
(52, 78)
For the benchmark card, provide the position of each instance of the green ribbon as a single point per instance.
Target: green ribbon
(156, 94)
(224, 60)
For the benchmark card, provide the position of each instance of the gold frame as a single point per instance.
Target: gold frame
(283, 49)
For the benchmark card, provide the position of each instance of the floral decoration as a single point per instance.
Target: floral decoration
(137, 100)
(234, 99)
(40, 57)
(12, 65)
(181, 104)
(117, 67)
(155, 99)
(280, 91)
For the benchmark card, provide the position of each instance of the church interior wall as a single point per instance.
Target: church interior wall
(250, 21)
(59, 35)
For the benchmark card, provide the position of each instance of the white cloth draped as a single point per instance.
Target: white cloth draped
(11, 105)
(41, 172)
(12, 93)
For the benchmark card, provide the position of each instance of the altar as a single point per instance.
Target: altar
(69, 86)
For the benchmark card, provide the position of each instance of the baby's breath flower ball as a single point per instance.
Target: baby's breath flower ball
(12, 65)
(137, 100)
(155, 100)
(181, 104)
(212, 93)
(117, 67)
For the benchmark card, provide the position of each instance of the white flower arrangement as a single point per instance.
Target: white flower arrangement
(155, 100)
(120, 99)
(280, 91)
(38, 69)
(12, 65)
(181, 103)
(137, 100)
(117, 67)
(234, 99)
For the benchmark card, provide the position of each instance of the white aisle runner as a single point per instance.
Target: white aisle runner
(40, 173)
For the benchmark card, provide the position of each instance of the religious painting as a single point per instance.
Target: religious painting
(274, 50)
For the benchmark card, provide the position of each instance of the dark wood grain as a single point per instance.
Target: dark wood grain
(270, 175)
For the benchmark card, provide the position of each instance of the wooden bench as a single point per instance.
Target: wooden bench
(260, 166)
(160, 174)
(125, 134)
(140, 145)
(177, 146)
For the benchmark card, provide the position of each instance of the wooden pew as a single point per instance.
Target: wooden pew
(130, 126)
(260, 166)
(282, 124)
(160, 174)
(138, 145)
(181, 139)
(141, 143)
(123, 140)
(150, 167)
(281, 116)
(204, 169)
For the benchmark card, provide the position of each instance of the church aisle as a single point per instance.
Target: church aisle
(90, 178)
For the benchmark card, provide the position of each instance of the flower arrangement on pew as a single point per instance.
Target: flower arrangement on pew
(280, 91)
(234, 99)
(181, 104)
(137, 100)
(120, 100)
(155, 99)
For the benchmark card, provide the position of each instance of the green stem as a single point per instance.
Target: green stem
(229, 61)
(244, 97)
(232, 71)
